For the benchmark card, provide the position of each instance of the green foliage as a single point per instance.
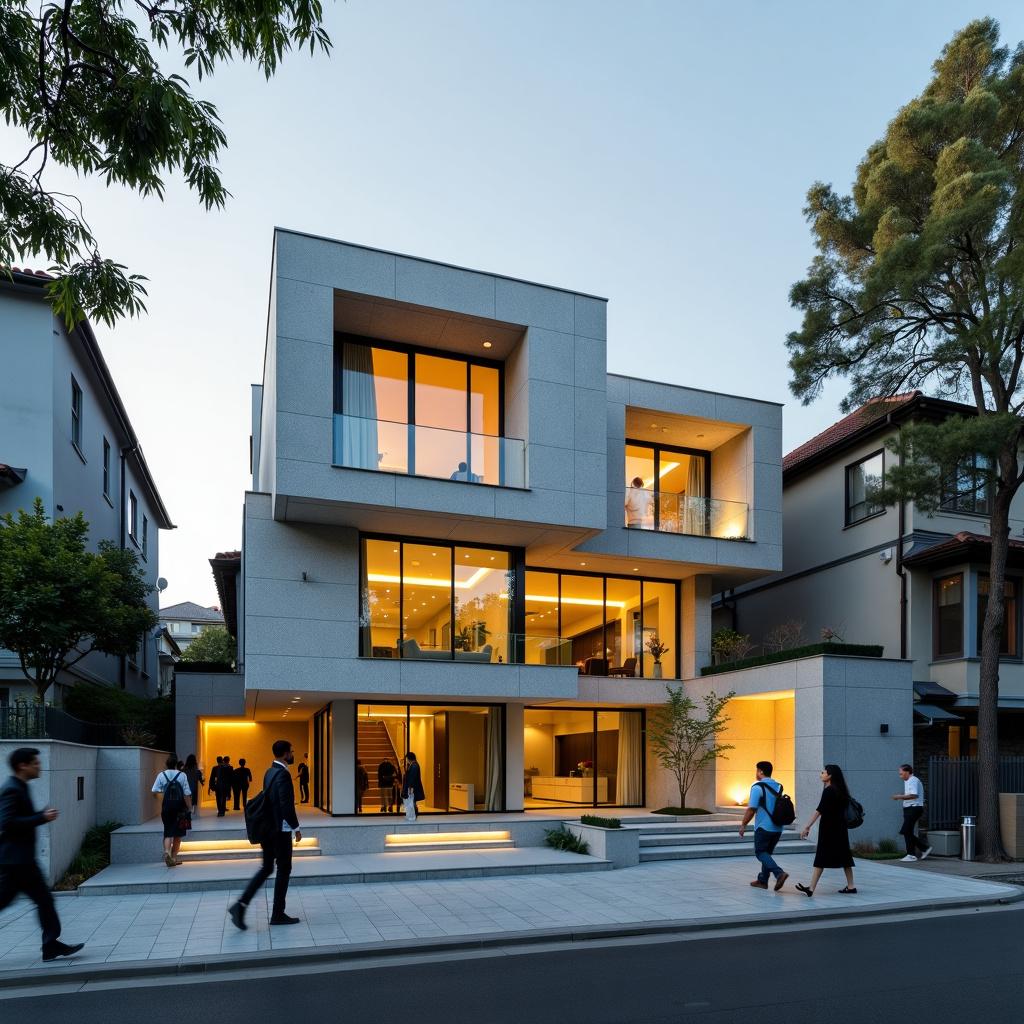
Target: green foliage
(807, 651)
(59, 601)
(562, 839)
(214, 645)
(886, 849)
(143, 718)
(599, 822)
(728, 645)
(92, 857)
(681, 810)
(683, 743)
(82, 80)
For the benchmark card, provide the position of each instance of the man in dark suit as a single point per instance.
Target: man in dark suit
(240, 784)
(303, 771)
(225, 780)
(19, 871)
(214, 780)
(279, 793)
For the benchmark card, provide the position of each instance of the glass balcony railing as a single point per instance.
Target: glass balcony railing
(497, 649)
(676, 513)
(416, 450)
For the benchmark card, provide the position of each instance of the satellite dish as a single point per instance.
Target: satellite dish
(161, 584)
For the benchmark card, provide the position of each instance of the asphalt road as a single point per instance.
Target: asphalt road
(964, 967)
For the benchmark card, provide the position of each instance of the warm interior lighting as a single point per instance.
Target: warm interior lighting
(740, 797)
(203, 845)
(591, 602)
(666, 467)
(488, 344)
(417, 581)
(228, 725)
(421, 838)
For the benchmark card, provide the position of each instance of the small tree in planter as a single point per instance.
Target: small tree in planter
(685, 744)
(728, 646)
(657, 650)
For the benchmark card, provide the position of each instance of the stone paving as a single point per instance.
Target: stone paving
(171, 926)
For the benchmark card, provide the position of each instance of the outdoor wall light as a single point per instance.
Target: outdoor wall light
(884, 728)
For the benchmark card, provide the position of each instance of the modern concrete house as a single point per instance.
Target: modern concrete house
(467, 539)
(186, 620)
(65, 437)
(912, 582)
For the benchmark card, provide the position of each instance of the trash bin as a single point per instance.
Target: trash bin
(967, 828)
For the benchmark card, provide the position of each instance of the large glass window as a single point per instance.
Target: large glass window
(542, 642)
(863, 479)
(402, 410)
(1008, 644)
(460, 749)
(967, 488)
(667, 489)
(413, 592)
(949, 617)
(583, 757)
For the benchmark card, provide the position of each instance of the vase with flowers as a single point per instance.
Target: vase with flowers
(656, 649)
(585, 768)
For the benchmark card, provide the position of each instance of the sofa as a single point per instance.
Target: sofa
(411, 649)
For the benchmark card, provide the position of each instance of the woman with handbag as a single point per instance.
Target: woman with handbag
(175, 808)
(412, 786)
(194, 774)
(833, 850)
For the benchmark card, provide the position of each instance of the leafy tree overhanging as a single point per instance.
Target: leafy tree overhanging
(919, 284)
(82, 79)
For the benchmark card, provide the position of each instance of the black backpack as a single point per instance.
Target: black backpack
(260, 823)
(783, 813)
(854, 813)
(174, 794)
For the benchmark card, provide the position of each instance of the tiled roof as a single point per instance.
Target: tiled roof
(226, 566)
(960, 544)
(848, 426)
(193, 611)
(31, 273)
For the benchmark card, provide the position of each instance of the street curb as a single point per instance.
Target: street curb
(185, 967)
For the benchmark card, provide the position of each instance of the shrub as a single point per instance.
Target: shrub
(681, 810)
(214, 644)
(888, 845)
(728, 645)
(784, 637)
(808, 651)
(153, 717)
(599, 822)
(92, 857)
(562, 839)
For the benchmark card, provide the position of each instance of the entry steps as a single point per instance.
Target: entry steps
(494, 839)
(686, 840)
(206, 850)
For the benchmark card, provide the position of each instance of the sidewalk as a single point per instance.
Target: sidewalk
(395, 916)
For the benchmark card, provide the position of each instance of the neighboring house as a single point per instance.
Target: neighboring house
(65, 437)
(169, 654)
(186, 620)
(895, 576)
(436, 554)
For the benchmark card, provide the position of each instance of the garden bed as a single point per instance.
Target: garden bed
(807, 651)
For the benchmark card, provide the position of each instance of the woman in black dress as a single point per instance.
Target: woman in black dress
(833, 849)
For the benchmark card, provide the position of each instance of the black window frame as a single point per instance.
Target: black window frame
(658, 448)
(937, 581)
(145, 536)
(106, 469)
(880, 510)
(133, 516)
(77, 415)
(951, 497)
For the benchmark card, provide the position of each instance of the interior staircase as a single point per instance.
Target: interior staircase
(690, 840)
(373, 745)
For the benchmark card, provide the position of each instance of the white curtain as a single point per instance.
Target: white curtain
(359, 405)
(629, 779)
(696, 520)
(495, 772)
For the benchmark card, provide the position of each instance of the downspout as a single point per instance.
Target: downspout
(123, 668)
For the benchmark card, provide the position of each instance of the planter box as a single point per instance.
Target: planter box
(619, 845)
(944, 843)
(1011, 823)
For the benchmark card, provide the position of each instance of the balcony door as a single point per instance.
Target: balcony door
(673, 490)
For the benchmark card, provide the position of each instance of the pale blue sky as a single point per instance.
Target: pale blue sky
(654, 153)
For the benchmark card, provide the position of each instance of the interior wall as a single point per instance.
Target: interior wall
(759, 730)
(421, 743)
(466, 741)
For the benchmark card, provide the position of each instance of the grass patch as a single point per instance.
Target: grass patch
(562, 839)
(91, 859)
(680, 810)
(807, 651)
(599, 822)
(885, 849)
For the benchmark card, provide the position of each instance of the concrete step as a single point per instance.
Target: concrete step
(454, 844)
(493, 839)
(235, 849)
(745, 849)
(702, 839)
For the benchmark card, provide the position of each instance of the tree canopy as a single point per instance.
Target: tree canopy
(214, 644)
(59, 601)
(918, 284)
(83, 80)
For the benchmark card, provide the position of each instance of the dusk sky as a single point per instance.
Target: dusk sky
(656, 154)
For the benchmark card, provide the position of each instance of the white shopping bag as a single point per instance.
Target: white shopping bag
(410, 807)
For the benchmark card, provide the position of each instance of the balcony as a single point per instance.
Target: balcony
(411, 449)
(500, 649)
(695, 517)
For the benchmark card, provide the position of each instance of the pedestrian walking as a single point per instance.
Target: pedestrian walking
(175, 808)
(19, 872)
(412, 787)
(241, 778)
(194, 774)
(362, 785)
(833, 850)
(913, 807)
(764, 795)
(215, 779)
(279, 794)
(225, 781)
(386, 784)
(303, 773)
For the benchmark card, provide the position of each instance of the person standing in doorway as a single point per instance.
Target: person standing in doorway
(194, 774)
(913, 807)
(279, 793)
(240, 784)
(303, 771)
(19, 871)
(833, 850)
(362, 785)
(215, 779)
(225, 780)
(763, 795)
(175, 808)
(413, 784)
(385, 783)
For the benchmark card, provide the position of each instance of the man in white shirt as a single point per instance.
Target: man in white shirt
(913, 807)
(638, 505)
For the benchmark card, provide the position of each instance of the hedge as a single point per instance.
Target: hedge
(807, 651)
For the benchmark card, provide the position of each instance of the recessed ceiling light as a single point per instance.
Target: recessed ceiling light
(654, 426)
(635, 569)
(583, 563)
(487, 344)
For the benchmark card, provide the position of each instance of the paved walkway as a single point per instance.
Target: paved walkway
(402, 914)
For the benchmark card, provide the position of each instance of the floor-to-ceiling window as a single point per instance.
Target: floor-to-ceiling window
(321, 767)
(432, 601)
(460, 749)
(400, 409)
(605, 625)
(583, 757)
(668, 488)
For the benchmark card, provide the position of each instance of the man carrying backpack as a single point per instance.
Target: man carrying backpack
(769, 808)
(175, 808)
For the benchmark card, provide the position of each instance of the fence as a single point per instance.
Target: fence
(32, 722)
(953, 787)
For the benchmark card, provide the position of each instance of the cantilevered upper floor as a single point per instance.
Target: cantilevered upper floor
(412, 398)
